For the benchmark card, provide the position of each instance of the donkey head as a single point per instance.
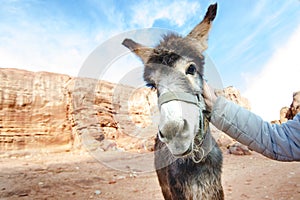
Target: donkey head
(175, 69)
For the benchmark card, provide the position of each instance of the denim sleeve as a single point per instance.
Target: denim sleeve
(278, 142)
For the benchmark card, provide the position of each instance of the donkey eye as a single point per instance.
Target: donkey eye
(151, 85)
(191, 69)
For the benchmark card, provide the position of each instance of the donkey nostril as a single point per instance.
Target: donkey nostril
(160, 135)
(185, 126)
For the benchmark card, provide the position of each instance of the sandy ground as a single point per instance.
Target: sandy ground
(77, 175)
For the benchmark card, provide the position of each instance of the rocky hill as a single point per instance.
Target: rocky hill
(41, 109)
(34, 110)
(287, 113)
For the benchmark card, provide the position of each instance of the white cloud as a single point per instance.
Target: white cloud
(36, 51)
(46, 44)
(177, 12)
(272, 88)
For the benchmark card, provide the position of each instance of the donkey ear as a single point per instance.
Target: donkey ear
(200, 32)
(140, 50)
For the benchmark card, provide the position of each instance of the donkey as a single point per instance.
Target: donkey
(187, 160)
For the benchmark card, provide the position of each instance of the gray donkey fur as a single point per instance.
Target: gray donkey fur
(194, 172)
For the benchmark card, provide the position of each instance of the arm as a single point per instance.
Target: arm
(279, 142)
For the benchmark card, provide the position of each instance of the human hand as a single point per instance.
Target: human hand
(209, 96)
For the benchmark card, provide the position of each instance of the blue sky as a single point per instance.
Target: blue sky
(253, 43)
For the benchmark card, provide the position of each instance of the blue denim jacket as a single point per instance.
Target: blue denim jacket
(278, 142)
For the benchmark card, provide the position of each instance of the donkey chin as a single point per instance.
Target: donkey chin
(182, 150)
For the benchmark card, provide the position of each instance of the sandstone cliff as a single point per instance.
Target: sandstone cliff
(287, 113)
(233, 94)
(41, 109)
(52, 110)
(34, 109)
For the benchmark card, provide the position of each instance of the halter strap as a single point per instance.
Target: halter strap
(179, 96)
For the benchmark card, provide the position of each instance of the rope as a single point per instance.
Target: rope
(203, 126)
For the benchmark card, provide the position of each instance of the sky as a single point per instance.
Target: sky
(254, 44)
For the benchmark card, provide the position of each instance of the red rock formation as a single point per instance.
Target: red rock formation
(294, 107)
(52, 110)
(287, 113)
(33, 109)
(233, 94)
